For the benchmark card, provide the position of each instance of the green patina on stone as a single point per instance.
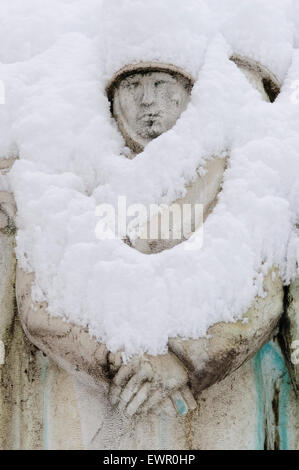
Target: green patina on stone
(181, 407)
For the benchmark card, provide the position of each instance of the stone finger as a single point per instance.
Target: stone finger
(139, 399)
(189, 398)
(115, 392)
(166, 407)
(153, 402)
(115, 361)
(124, 374)
(132, 387)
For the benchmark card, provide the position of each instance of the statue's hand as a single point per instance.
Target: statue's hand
(145, 382)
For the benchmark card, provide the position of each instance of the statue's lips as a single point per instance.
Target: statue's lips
(150, 117)
(148, 121)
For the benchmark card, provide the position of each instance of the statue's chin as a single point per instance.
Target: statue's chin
(151, 130)
(150, 134)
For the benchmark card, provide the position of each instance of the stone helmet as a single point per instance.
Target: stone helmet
(143, 67)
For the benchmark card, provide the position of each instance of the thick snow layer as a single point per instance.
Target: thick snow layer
(55, 60)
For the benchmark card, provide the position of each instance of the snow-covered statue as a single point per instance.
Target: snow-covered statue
(147, 99)
(135, 343)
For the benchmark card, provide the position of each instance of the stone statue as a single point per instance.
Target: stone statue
(147, 99)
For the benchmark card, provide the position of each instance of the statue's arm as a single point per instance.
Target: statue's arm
(142, 384)
(69, 345)
(228, 345)
(208, 360)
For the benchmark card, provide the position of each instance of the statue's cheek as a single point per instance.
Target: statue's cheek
(128, 105)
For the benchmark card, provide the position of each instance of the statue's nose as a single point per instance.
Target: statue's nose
(148, 94)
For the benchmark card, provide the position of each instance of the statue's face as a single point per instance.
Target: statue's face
(148, 104)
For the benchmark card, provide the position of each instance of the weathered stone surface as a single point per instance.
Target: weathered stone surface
(20, 369)
(229, 345)
(67, 344)
(290, 332)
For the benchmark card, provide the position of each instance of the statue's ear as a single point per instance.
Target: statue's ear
(270, 83)
(272, 91)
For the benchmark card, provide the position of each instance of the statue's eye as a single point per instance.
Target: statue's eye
(131, 85)
(159, 82)
(134, 84)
